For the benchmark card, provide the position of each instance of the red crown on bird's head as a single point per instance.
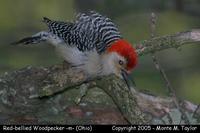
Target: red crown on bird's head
(125, 49)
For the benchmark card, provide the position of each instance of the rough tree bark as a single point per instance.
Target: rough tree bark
(61, 95)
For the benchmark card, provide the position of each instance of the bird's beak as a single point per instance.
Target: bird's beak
(126, 78)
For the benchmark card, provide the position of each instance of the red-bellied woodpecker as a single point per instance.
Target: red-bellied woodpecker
(92, 44)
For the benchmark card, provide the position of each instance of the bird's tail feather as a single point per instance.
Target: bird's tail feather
(27, 40)
(37, 38)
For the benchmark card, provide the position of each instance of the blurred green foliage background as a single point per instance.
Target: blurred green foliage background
(21, 18)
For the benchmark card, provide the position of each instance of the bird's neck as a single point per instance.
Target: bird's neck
(108, 66)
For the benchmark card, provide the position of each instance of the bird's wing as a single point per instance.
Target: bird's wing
(89, 31)
(59, 28)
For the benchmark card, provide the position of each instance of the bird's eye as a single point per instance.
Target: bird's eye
(121, 62)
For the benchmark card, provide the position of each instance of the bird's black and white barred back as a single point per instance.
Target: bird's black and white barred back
(89, 31)
(96, 30)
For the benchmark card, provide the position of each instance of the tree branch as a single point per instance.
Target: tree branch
(171, 41)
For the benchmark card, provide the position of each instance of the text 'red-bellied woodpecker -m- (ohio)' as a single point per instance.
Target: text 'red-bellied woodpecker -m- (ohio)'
(92, 44)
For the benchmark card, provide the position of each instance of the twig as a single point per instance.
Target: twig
(196, 110)
(155, 60)
(169, 119)
(153, 24)
(162, 72)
